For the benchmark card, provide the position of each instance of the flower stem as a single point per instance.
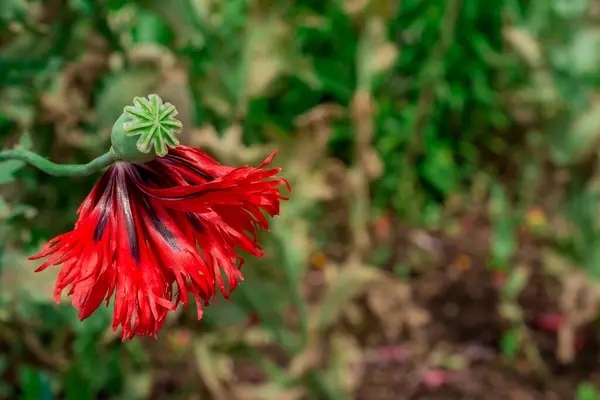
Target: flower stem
(54, 169)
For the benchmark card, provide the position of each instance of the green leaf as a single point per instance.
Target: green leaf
(515, 283)
(3, 364)
(504, 238)
(510, 344)
(25, 141)
(35, 385)
(439, 168)
(151, 28)
(10, 167)
(224, 313)
(119, 90)
(586, 391)
(261, 297)
(570, 8)
(585, 51)
(573, 136)
(76, 386)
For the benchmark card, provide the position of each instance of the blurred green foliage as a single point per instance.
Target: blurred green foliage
(422, 111)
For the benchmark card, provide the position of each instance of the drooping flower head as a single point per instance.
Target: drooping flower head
(162, 225)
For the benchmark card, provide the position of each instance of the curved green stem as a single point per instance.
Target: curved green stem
(54, 169)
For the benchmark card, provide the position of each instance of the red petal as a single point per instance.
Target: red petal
(94, 269)
(230, 209)
(177, 220)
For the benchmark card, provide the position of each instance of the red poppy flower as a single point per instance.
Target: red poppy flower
(156, 233)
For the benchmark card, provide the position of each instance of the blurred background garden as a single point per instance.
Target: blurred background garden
(442, 240)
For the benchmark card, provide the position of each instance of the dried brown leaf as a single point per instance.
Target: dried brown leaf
(18, 279)
(347, 357)
(526, 46)
(267, 391)
(228, 149)
(376, 52)
(213, 369)
(355, 6)
(264, 54)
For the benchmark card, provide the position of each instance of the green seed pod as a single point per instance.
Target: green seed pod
(145, 130)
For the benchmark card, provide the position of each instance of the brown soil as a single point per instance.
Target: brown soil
(465, 321)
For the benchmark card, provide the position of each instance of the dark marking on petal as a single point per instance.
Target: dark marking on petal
(101, 226)
(104, 204)
(193, 218)
(162, 181)
(153, 175)
(164, 232)
(103, 185)
(185, 163)
(123, 199)
(194, 195)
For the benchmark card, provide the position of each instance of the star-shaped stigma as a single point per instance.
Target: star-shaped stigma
(155, 122)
